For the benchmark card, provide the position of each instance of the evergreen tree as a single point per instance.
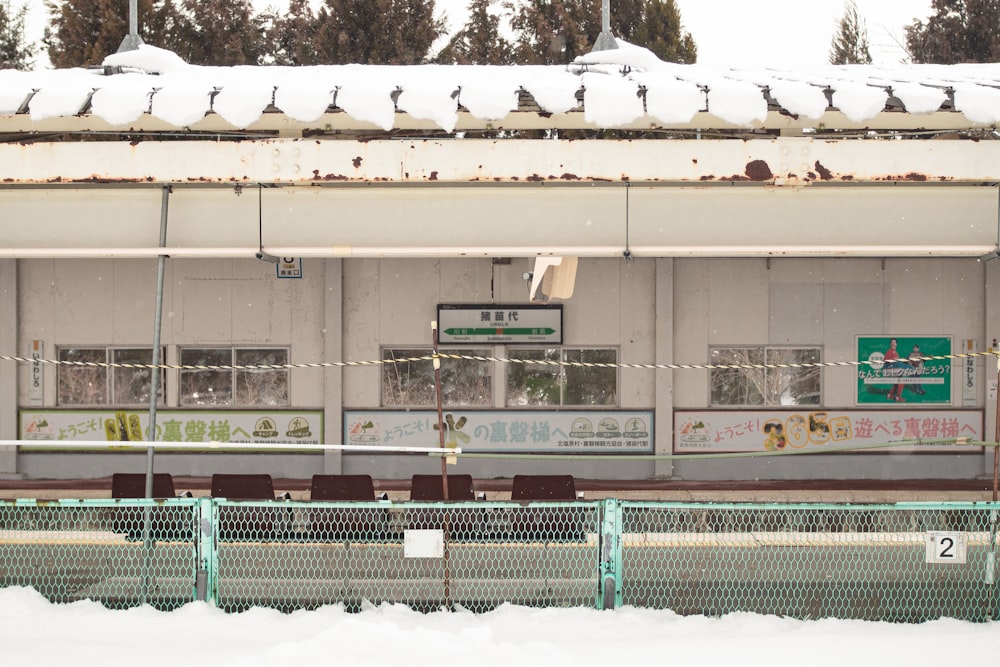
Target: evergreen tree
(850, 44)
(959, 31)
(661, 32)
(84, 32)
(291, 39)
(557, 31)
(479, 42)
(554, 32)
(219, 32)
(15, 53)
(386, 32)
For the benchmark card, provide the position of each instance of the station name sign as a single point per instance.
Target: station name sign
(498, 323)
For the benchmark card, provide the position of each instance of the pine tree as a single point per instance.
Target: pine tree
(959, 31)
(661, 32)
(84, 32)
(557, 31)
(552, 32)
(850, 44)
(291, 38)
(15, 53)
(386, 32)
(219, 32)
(479, 42)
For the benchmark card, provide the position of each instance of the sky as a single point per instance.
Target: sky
(727, 32)
(85, 634)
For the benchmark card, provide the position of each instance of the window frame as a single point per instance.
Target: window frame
(111, 375)
(563, 381)
(406, 351)
(233, 354)
(766, 386)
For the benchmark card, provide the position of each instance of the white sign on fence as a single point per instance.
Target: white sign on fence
(945, 547)
(423, 544)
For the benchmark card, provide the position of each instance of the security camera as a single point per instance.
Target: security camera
(264, 257)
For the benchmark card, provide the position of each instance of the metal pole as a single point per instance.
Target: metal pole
(444, 464)
(154, 394)
(996, 437)
(605, 41)
(132, 40)
(154, 391)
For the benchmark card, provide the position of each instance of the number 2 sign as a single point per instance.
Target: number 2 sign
(945, 547)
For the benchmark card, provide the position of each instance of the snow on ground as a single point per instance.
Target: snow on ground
(85, 634)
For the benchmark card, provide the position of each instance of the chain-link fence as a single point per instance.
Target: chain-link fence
(901, 562)
(71, 550)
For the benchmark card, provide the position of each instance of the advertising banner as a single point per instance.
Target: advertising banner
(504, 431)
(894, 372)
(707, 431)
(290, 427)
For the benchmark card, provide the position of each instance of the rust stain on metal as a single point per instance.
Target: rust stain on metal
(694, 160)
(433, 176)
(913, 176)
(328, 177)
(757, 170)
(707, 177)
(104, 180)
(824, 173)
(356, 162)
(846, 177)
(534, 178)
(735, 177)
(570, 177)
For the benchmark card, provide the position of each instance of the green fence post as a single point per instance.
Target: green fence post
(610, 589)
(991, 582)
(208, 555)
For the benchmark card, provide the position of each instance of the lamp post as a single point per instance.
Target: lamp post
(605, 41)
(132, 40)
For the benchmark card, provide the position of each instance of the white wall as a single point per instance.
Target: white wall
(391, 302)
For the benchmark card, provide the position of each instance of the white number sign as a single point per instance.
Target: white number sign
(945, 547)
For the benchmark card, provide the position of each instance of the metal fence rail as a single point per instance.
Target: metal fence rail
(898, 562)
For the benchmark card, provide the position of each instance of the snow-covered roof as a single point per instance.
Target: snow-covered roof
(624, 88)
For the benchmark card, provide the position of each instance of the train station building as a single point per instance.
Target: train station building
(637, 269)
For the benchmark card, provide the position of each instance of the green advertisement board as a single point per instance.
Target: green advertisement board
(894, 369)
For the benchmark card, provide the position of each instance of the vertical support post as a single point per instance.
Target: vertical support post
(132, 40)
(996, 436)
(154, 377)
(605, 40)
(610, 588)
(445, 525)
(154, 395)
(206, 552)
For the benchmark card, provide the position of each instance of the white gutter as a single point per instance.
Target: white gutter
(249, 252)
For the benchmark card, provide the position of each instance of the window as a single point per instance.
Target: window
(464, 382)
(101, 384)
(765, 385)
(221, 384)
(557, 383)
